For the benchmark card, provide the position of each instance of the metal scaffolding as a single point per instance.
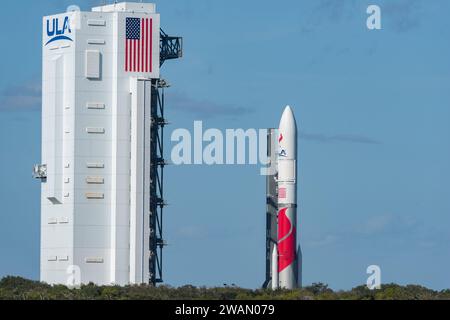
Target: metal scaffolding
(170, 48)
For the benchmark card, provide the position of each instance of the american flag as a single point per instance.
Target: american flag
(282, 193)
(138, 45)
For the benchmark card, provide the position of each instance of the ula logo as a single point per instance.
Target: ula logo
(57, 30)
(282, 152)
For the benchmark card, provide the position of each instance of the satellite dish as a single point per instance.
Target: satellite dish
(73, 8)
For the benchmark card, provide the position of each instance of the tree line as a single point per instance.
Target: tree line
(15, 288)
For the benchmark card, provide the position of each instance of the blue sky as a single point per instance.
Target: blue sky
(374, 112)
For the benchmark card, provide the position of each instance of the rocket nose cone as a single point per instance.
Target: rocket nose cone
(288, 113)
(288, 109)
(288, 119)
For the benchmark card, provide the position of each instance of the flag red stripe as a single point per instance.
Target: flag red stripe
(131, 55)
(138, 54)
(126, 55)
(130, 50)
(142, 46)
(135, 56)
(139, 50)
(146, 44)
(151, 45)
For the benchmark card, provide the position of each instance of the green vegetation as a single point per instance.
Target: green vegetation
(13, 288)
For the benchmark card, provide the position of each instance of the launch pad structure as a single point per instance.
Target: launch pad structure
(102, 169)
(271, 203)
(170, 48)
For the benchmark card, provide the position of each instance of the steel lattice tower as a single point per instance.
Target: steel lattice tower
(170, 48)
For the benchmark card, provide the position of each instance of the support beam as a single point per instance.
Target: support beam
(170, 47)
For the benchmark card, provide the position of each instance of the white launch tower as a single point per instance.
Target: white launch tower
(99, 73)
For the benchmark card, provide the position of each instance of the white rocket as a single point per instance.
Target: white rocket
(286, 257)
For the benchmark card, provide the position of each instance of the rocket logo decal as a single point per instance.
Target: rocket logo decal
(286, 241)
(283, 152)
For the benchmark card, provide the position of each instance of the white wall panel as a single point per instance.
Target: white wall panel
(86, 68)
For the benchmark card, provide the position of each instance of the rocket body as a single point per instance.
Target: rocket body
(288, 258)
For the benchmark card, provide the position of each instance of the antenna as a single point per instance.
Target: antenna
(73, 8)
